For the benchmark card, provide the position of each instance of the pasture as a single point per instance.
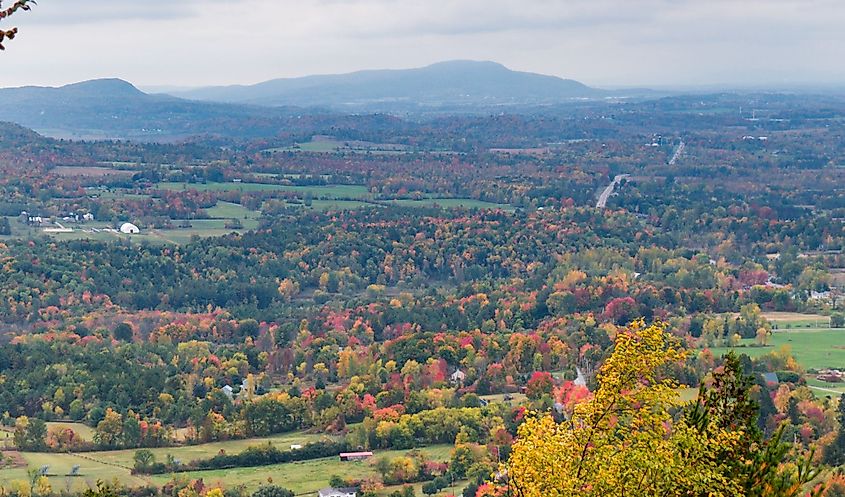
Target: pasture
(89, 171)
(301, 477)
(796, 320)
(83, 431)
(228, 210)
(331, 192)
(813, 348)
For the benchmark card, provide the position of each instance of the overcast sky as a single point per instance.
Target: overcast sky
(600, 42)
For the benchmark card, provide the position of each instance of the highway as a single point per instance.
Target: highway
(678, 153)
(605, 195)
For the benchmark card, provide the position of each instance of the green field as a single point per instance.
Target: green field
(317, 191)
(790, 320)
(218, 187)
(301, 477)
(82, 430)
(114, 194)
(329, 205)
(813, 348)
(517, 398)
(825, 388)
(228, 210)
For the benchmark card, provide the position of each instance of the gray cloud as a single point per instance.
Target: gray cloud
(94, 11)
(605, 42)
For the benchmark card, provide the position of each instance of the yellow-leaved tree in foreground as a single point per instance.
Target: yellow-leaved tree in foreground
(635, 438)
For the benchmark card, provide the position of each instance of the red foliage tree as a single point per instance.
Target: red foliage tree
(539, 384)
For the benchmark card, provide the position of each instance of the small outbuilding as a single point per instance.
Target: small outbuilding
(338, 492)
(355, 456)
(129, 229)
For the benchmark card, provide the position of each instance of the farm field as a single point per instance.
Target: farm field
(90, 171)
(114, 464)
(812, 348)
(823, 388)
(218, 187)
(82, 430)
(301, 477)
(327, 205)
(517, 398)
(229, 210)
(796, 320)
(318, 191)
(114, 194)
(304, 476)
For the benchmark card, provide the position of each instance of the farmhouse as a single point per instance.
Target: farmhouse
(338, 492)
(458, 377)
(831, 376)
(355, 456)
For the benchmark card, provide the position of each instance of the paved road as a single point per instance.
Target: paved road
(678, 153)
(605, 195)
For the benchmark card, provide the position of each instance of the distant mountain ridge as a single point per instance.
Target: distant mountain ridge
(113, 108)
(442, 85)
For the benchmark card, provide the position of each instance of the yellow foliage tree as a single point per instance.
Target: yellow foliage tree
(621, 442)
(625, 441)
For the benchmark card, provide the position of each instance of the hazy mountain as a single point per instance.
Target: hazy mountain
(112, 108)
(444, 85)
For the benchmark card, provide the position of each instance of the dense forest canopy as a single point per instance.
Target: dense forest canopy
(448, 292)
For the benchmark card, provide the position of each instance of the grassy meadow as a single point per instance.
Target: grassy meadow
(301, 477)
(813, 348)
(317, 191)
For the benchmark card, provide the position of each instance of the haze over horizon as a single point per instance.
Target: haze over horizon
(603, 43)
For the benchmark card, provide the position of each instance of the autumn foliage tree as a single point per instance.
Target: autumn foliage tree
(7, 12)
(628, 441)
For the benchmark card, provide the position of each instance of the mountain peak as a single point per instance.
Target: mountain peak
(111, 87)
(467, 64)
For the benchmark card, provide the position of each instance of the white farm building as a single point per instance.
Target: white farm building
(129, 229)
